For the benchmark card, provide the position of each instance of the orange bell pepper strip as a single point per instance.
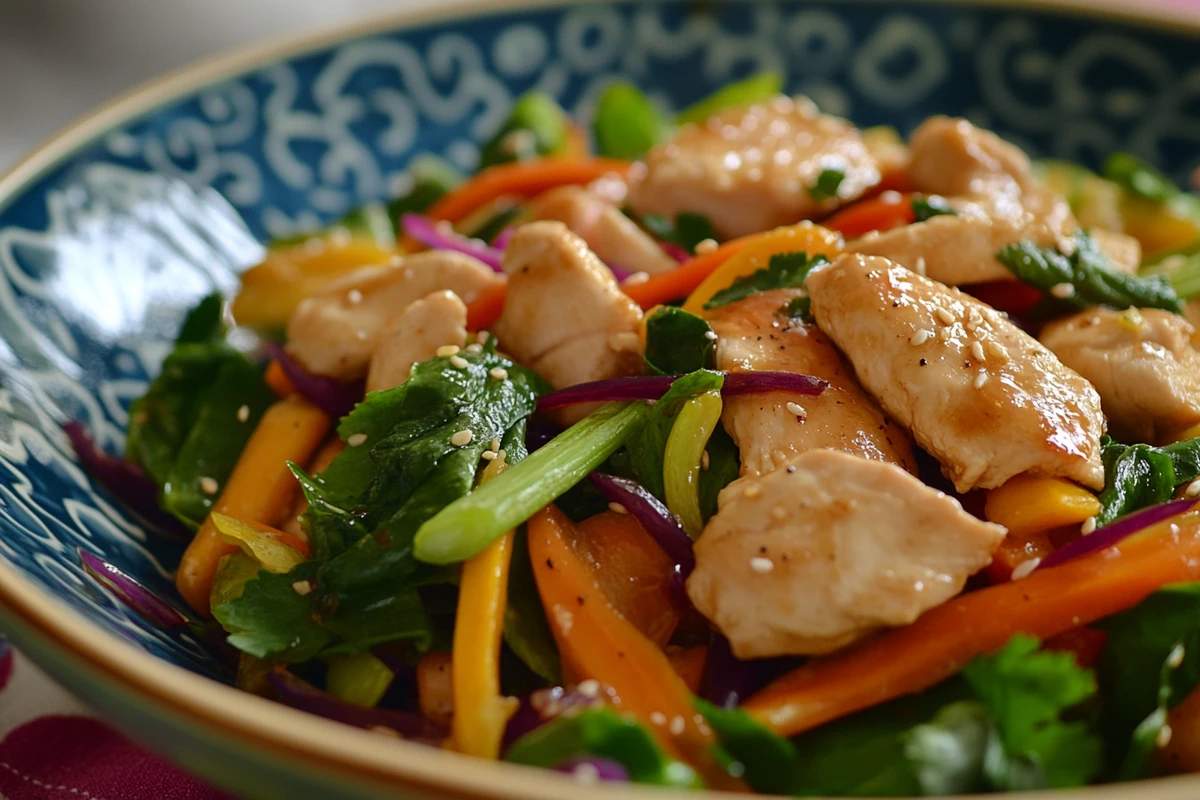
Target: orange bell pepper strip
(1015, 550)
(882, 213)
(483, 311)
(1027, 503)
(260, 489)
(595, 641)
(936, 646)
(522, 179)
(633, 572)
(481, 712)
(683, 280)
(278, 380)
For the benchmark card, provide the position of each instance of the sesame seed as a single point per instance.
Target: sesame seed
(209, 485)
(998, 350)
(920, 337)
(658, 718)
(637, 278)
(448, 349)
(243, 414)
(980, 380)
(1062, 290)
(919, 267)
(617, 508)
(586, 773)
(355, 439)
(704, 460)
(761, 565)
(1193, 489)
(474, 347)
(705, 246)
(488, 455)
(302, 587)
(945, 333)
(710, 335)
(678, 724)
(589, 688)
(386, 731)
(624, 341)
(1025, 568)
(752, 491)
(1176, 656)
(461, 438)
(499, 373)
(354, 297)
(779, 513)
(1164, 736)
(945, 316)
(482, 337)
(977, 350)
(1089, 526)
(500, 456)
(494, 444)
(797, 409)
(458, 362)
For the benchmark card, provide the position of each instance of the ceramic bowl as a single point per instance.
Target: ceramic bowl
(113, 228)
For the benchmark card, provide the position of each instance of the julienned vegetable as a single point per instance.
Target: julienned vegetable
(655, 517)
(683, 456)
(130, 592)
(427, 232)
(755, 89)
(331, 396)
(654, 387)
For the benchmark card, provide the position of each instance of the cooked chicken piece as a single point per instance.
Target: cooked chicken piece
(426, 325)
(982, 396)
(753, 335)
(1144, 364)
(611, 235)
(998, 202)
(753, 169)
(335, 332)
(810, 557)
(889, 150)
(564, 315)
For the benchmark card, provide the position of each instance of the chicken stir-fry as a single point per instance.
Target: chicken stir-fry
(750, 394)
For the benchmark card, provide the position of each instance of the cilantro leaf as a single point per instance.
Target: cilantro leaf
(783, 271)
(1093, 278)
(827, 184)
(948, 752)
(932, 205)
(687, 231)
(800, 309)
(677, 342)
(367, 505)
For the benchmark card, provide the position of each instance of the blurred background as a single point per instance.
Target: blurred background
(60, 58)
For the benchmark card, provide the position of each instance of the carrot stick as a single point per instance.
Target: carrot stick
(874, 214)
(278, 380)
(689, 664)
(943, 640)
(481, 712)
(595, 641)
(484, 310)
(260, 489)
(522, 179)
(682, 281)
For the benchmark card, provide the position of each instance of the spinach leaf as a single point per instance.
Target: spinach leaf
(1139, 476)
(646, 448)
(431, 179)
(370, 501)
(537, 126)
(627, 123)
(677, 342)
(783, 271)
(739, 94)
(767, 762)
(605, 733)
(931, 205)
(204, 323)
(687, 231)
(526, 630)
(1151, 662)
(1093, 278)
(827, 184)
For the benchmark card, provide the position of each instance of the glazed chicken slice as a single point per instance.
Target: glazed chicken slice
(334, 333)
(828, 548)
(611, 235)
(1144, 364)
(753, 169)
(978, 393)
(427, 325)
(565, 316)
(755, 335)
(989, 183)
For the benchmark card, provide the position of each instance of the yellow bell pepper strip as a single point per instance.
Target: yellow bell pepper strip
(273, 549)
(1026, 504)
(756, 253)
(260, 489)
(1048, 602)
(596, 642)
(681, 459)
(481, 712)
(360, 679)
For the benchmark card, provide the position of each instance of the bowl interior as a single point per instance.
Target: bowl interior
(108, 235)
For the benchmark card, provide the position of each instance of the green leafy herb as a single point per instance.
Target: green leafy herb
(827, 184)
(1151, 662)
(687, 231)
(604, 733)
(627, 123)
(526, 630)
(1093, 278)
(766, 761)
(536, 127)
(185, 430)
(494, 225)
(783, 271)
(1139, 178)
(369, 503)
(931, 205)
(648, 446)
(677, 342)
(432, 178)
(740, 94)
(799, 309)
(947, 753)
(1139, 476)
(370, 221)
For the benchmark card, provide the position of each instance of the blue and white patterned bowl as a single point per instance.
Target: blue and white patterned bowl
(108, 232)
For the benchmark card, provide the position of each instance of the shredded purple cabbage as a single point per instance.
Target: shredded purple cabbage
(1117, 531)
(130, 592)
(335, 398)
(437, 236)
(653, 515)
(675, 251)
